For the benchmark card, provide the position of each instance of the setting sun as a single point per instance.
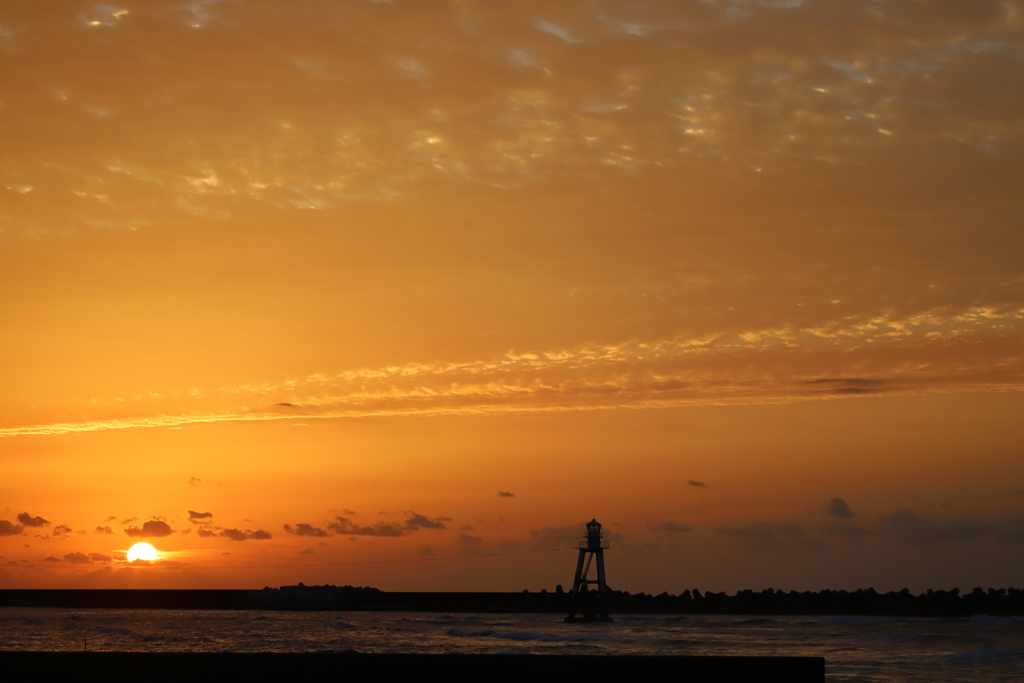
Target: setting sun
(142, 551)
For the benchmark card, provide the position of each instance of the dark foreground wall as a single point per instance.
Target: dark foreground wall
(173, 666)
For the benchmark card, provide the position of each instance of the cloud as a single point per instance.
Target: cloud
(698, 484)
(765, 537)
(303, 529)
(565, 536)
(837, 507)
(154, 528)
(109, 518)
(62, 530)
(443, 519)
(234, 534)
(51, 558)
(196, 517)
(78, 558)
(239, 535)
(670, 525)
(194, 481)
(100, 557)
(466, 527)
(9, 529)
(506, 494)
(848, 530)
(205, 533)
(343, 526)
(908, 527)
(427, 550)
(30, 521)
(415, 522)
(831, 112)
(129, 520)
(466, 539)
(308, 551)
(1010, 530)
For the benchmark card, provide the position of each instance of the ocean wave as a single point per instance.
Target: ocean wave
(114, 630)
(531, 635)
(756, 622)
(857, 621)
(340, 624)
(986, 619)
(983, 654)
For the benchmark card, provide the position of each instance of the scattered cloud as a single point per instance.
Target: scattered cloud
(466, 527)
(415, 522)
(343, 526)
(848, 530)
(837, 507)
(28, 520)
(303, 529)
(155, 528)
(7, 528)
(506, 494)
(194, 481)
(51, 558)
(466, 539)
(566, 536)
(908, 527)
(764, 537)
(239, 535)
(670, 525)
(698, 484)
(427, 550)
(197, 517)
(308, 551)
(100, 557)
(1010, 530)
(78, 558)
(61, 530)
(203, 532)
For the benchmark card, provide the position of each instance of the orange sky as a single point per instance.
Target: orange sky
(306, 286)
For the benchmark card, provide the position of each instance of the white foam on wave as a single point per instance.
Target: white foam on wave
(983, 654)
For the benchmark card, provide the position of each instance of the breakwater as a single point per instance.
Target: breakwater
(952, 603)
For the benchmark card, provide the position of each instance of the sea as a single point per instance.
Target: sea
(976, 649)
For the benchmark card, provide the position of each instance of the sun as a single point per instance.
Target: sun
(142, 551)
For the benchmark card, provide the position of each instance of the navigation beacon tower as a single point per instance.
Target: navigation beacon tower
(581, 600)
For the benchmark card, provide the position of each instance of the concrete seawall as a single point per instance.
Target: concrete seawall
(167, 666)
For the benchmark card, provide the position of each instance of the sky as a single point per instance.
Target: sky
(402, 293)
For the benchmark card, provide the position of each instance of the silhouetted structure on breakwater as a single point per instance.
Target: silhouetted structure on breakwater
(593, 606)
(1001, 602)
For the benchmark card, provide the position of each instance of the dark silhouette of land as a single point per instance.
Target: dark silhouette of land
(867, 602)
(183, 666)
